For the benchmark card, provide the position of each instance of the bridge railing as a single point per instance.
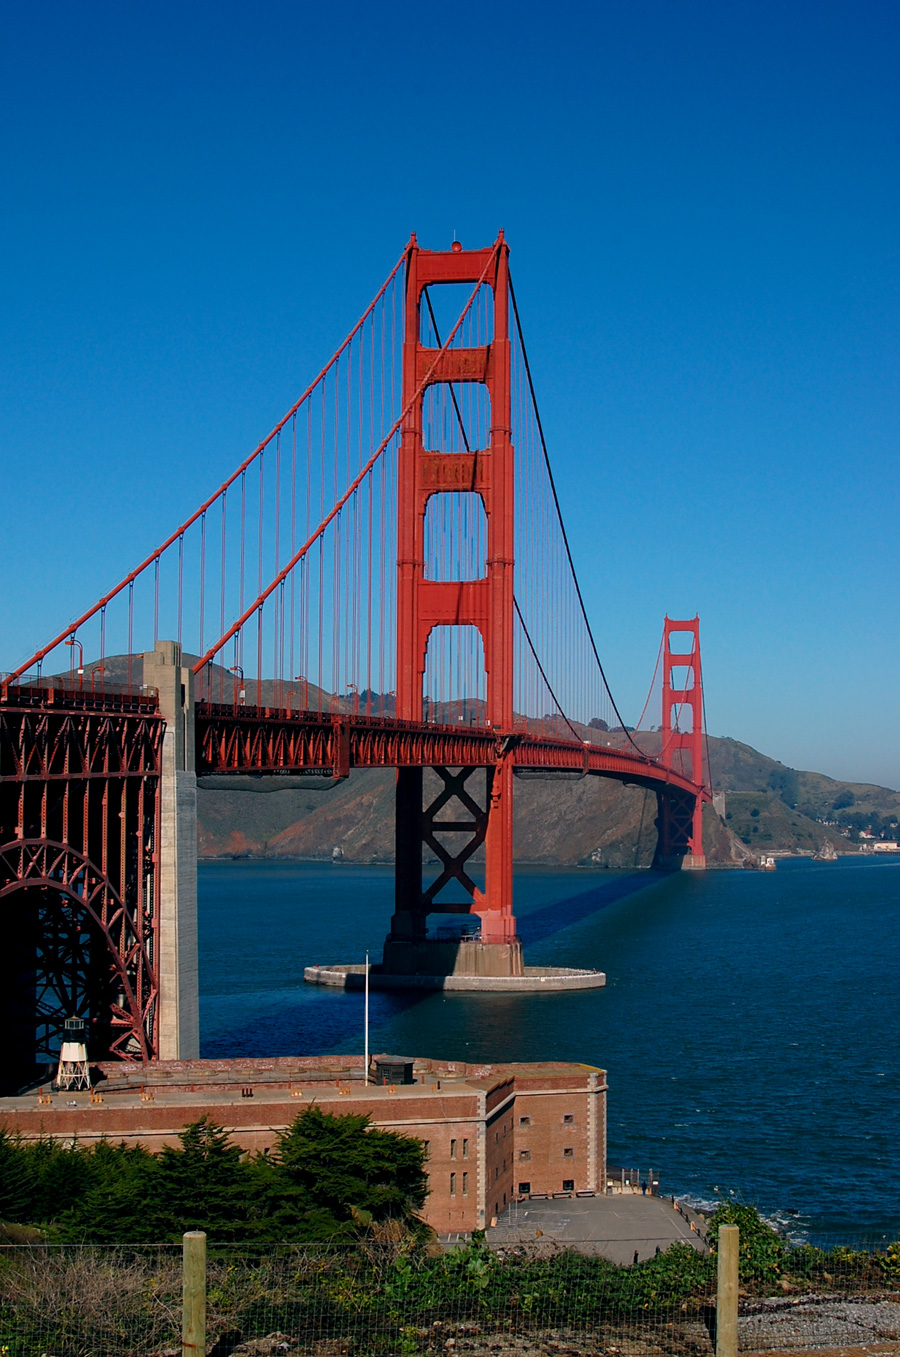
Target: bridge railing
(70, 690)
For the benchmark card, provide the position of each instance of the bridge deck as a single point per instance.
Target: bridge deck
(242, 739)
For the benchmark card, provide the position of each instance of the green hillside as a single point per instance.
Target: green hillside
(847, 806)
(768, 808)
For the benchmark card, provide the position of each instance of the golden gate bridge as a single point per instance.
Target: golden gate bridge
(385, 581)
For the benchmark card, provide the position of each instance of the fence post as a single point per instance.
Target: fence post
(727, 1292)
(193, 1313)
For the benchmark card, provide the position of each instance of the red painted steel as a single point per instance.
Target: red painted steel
(240, 739)
(79, 829)
(679, 699)
(488, 603)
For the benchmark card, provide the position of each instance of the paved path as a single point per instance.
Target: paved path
(617, 1227)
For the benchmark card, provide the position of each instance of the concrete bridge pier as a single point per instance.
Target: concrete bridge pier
(176, 955)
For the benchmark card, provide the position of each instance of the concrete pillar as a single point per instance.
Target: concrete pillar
(481, 1181)
(727, 1291)
(596, 1131)
(176, 959)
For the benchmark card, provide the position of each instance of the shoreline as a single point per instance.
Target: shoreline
(778, 853)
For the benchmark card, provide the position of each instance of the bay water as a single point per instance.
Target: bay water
(750, 1023)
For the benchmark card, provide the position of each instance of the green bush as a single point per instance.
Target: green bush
(329, 1177)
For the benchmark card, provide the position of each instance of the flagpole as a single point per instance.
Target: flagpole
(366, 1056)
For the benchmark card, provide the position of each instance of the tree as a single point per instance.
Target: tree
(15, 1182)
(205, 1182)
(329, 1176)
(342, 1166)
(785, 783)
(138, 1197)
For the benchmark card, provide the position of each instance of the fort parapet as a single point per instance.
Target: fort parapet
(493, 1132)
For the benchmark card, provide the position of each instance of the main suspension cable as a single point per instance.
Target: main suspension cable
(537, 415)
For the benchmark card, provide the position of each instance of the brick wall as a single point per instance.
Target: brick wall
(491, 1132)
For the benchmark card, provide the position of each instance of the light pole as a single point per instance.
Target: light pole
(239, 694)
(355, 691)
(301, 678)
(97, 669)
(366, 1026)
(74, 641)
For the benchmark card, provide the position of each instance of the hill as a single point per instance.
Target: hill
(768, 807)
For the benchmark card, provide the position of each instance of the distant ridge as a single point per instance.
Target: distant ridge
(768, 808)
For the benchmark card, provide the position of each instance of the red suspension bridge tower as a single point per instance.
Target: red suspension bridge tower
(484, 603)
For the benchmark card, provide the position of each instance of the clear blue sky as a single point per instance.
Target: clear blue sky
(702, 205)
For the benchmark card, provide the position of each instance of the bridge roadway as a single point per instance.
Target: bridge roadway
(241, 739)
(234, 738)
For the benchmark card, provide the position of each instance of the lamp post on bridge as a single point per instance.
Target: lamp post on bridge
(239, 693)
(74, 641)
(97, 669)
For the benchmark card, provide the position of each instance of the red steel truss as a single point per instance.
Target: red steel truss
(241, 739)
(79, 826)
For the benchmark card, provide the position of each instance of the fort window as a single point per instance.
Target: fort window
(452, 1184)
(496, 1172)
(568, 1185)
(524, 1154)
(465, 1185)
(465, 1149)
(569, 1152)
(524, 1121)
(524, 1188)
(568, 1119)
(452, 1149)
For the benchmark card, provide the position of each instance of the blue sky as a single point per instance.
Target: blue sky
(702, 205)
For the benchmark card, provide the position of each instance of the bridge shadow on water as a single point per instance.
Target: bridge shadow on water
(550, 919)
(316, 1021)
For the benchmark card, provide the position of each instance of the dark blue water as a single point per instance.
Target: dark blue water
(750, 1024)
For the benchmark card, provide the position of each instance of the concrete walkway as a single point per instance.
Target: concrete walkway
(616, 1227)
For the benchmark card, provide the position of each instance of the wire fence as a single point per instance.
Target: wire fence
(389, 1298)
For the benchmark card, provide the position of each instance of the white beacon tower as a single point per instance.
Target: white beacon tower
(73, 1072)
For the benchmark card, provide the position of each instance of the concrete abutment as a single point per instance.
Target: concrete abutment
(176, 960)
